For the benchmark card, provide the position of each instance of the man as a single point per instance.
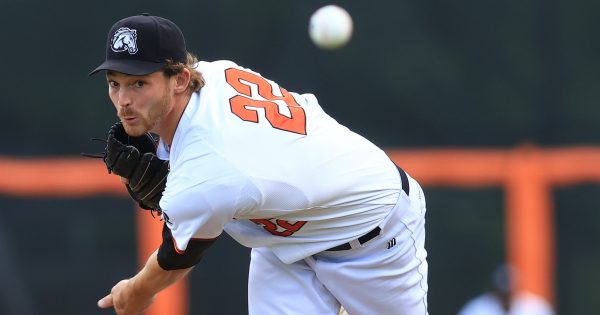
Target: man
(503, 300)
(330, 219)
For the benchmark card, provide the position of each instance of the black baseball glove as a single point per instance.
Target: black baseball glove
(135, 158)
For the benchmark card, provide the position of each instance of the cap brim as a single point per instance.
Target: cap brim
(131, 67)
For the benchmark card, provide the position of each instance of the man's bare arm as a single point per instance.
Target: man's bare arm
(133, 296)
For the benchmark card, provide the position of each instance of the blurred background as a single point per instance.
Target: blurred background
(415, 75)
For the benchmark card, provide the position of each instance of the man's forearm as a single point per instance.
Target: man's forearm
(152, 278)
(133, 296)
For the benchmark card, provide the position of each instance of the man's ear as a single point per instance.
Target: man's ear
(182, 81)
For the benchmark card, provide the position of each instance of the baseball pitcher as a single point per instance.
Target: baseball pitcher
(330, 219)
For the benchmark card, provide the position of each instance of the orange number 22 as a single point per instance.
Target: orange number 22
(279, 227)
(240, 80)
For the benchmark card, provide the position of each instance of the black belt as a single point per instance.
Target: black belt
(404, 179)
(374, 232)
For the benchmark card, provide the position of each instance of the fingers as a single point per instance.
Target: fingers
(124, 300)
(106, 302)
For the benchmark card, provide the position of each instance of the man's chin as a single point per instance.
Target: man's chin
(134, 131)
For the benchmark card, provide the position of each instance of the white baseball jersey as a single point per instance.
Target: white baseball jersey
(271, 168)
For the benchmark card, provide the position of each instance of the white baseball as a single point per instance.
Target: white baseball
(330, 27)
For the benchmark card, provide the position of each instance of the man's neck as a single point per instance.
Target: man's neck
(168, 124)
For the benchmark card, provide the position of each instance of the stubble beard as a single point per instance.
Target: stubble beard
(146, 123)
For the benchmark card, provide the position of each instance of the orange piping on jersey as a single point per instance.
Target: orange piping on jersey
(181, 252)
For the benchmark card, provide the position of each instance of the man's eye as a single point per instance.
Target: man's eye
(138, 84)
(112, 84)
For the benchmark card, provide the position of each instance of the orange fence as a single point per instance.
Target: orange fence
(527, 174)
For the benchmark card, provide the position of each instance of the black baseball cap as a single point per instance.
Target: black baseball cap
(141, 44)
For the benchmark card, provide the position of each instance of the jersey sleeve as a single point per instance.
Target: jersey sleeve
(203, 193)
(170, 258)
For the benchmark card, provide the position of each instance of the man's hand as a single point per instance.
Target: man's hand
(126, 300)
(133, 296)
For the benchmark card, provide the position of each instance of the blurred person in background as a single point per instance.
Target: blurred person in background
(503, 300)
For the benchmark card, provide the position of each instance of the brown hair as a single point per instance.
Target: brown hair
(174, 68)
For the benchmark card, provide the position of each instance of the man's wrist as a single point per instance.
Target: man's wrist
(140, 288)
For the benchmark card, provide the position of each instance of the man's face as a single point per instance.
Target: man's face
(141, 101)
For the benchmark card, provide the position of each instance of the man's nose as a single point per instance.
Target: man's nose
(124, 98)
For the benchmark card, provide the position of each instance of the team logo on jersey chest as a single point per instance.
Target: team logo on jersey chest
(125, 39)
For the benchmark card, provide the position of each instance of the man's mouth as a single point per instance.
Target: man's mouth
(129, 119)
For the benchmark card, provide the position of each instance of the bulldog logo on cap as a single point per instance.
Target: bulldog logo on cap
(125, 39)
(159, 40)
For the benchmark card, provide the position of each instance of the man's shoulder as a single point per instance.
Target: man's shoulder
(203, 66)
(530, 303)
(482, 304)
